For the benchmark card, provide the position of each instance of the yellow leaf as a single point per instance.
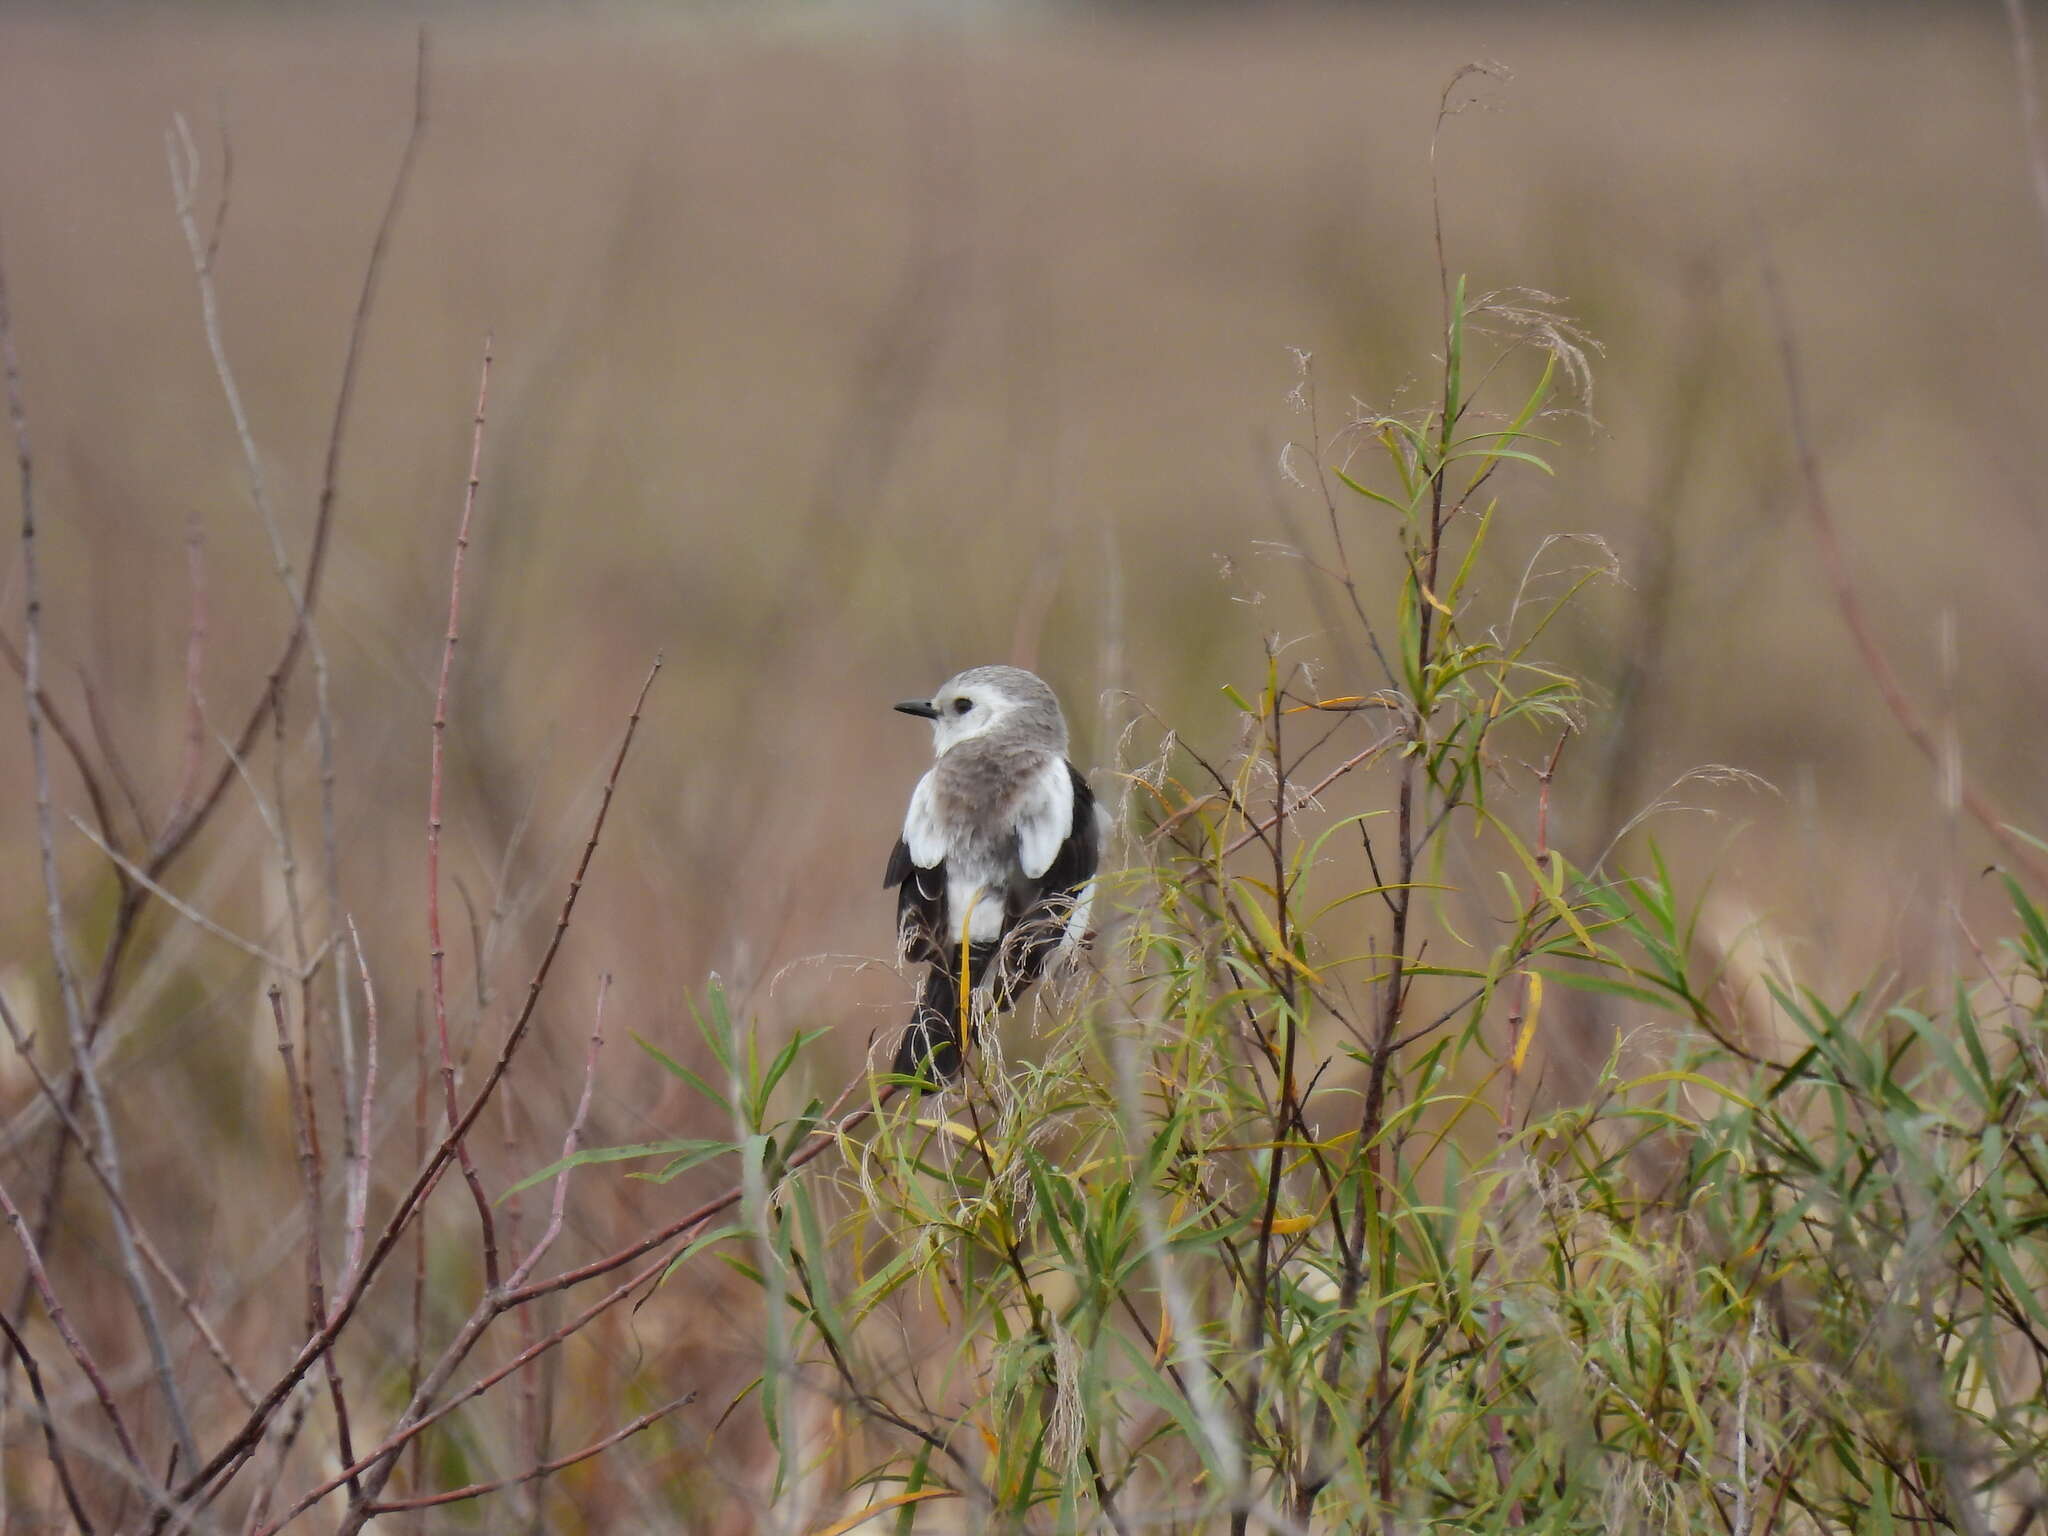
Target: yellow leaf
(1694, 1078)
(1528, 1024)
(862, 1516)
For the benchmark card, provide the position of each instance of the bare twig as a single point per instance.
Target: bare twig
(376, 1465)
(1835, 566)
(190, 913)
(54, 1447)
(570, 1141)
(314, 1348)
(359, 1172)
(183, 825)
(416, 1338)
(419, 1418)
(110, 754)
(184, 166)
(149, 1250)
(282, 1443)
(39, 1278)
(1258, 829)
(178, 833)
(53, 897)
(825, 1140)
(309, 1174)
(195, 665)
(543, 1469)
(436, 954)
(73, 748)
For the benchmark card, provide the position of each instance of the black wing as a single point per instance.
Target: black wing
(1039, 925)
(920, 906)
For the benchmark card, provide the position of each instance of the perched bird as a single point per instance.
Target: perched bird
(1000, 842)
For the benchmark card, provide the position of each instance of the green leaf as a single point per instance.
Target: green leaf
(619, 1155)
(676, 1069)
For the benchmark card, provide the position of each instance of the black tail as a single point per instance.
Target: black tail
(930, 1048)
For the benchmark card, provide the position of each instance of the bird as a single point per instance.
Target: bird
(994, 866)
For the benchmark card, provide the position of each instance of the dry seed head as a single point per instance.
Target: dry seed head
(1287, 469)
(1067, 1431)
(1531, 316)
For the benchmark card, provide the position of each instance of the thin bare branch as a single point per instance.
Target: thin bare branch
(183, 154)
(359, 1171)
(570, 1141)
(195, 665)
(544, 1469)
(177, 834)
(184, 825)
(81, 762)
(309, 1175)
(23, 1047)
(437, 954)
(110, 754)
(61, 1321)
(190, 913)
(237, 1446)
(1835, 566)
(53, 896)
(53, 1446)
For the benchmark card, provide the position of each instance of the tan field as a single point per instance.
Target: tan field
(831, 357)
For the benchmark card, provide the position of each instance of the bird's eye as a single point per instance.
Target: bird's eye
(961, 706)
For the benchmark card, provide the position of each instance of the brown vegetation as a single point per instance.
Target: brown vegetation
(828, 362)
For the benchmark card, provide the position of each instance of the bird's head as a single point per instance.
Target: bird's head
(984, 701)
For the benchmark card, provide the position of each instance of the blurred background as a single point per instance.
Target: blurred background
(837, 350)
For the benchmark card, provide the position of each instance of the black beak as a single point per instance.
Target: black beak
(919, 707)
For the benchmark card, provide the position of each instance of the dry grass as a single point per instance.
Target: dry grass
(829, 361)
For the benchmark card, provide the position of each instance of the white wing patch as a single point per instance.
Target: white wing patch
(922, 832)
(1045, 815)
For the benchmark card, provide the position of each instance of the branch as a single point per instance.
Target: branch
(61, 1321)
(150, 1252)
(53, 895)
(570, 1141)
(50, 1440)
(192, 914)
(359, 1171)
(186, 818)
(309, 1174)
(436, 953)
(543, 1469)
(183, 155)
(1836, 568)
(430, 1172)
(186, 822)
(73, 747)
(687, 1227)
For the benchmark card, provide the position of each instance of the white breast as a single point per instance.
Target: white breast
(975, 905)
